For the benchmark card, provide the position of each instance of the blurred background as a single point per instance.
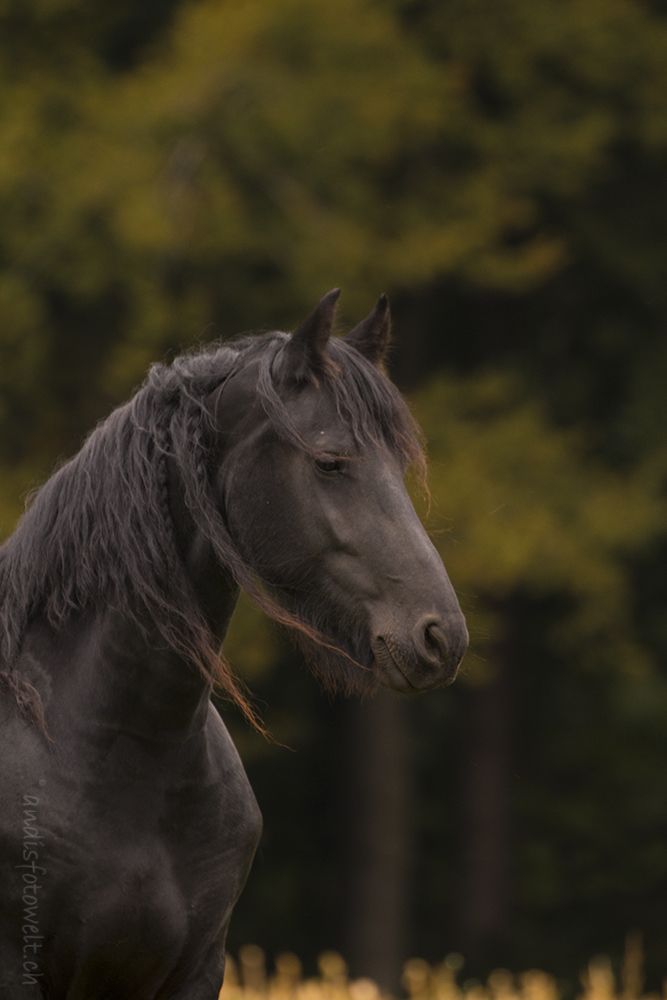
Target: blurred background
(173, 171)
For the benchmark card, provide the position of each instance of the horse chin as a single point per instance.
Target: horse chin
(361, 673)
(394, 671)
(340, 671)
(388, 668)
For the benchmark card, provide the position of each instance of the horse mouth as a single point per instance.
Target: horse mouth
(387, 661)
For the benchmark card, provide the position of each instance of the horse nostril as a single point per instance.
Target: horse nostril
(435, 642)
(430, 639)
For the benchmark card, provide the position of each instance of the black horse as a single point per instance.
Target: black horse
(273, 464)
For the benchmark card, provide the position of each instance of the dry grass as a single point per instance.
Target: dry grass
(247, 979)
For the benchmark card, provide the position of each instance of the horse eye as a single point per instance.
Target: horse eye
(330, 468)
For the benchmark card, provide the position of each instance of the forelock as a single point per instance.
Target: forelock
(366, 401)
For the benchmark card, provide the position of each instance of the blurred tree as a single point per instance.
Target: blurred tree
(377, 765)
(254, 154)
(262, 155)
(525, 509)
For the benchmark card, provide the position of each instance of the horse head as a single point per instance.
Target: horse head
(314, 443)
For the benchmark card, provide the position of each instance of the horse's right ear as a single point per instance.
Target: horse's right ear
(371, 336)
(306, 350)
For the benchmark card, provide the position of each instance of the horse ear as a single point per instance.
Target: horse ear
(371, 336)
(306, 350)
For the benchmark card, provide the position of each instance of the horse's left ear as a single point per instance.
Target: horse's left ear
(371, 336)
(306, 350)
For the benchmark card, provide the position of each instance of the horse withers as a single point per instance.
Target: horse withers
(273, 464)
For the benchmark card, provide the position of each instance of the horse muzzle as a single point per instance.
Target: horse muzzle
(428, 657)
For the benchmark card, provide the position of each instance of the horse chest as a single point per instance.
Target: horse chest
(144, 853)
(184, 819)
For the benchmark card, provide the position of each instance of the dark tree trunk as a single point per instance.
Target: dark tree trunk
(409, 360)
(485, 885)
(378, 838)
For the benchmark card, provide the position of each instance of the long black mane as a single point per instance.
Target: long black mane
(100, 531)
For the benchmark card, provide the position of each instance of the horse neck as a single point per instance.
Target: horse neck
(173, 693)
(114, 674)
(107, 676)
(162, 695)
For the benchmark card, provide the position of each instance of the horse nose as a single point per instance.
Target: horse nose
(436, 646)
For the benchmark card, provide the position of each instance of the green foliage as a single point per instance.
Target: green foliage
(261, 153)
(518, 506)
